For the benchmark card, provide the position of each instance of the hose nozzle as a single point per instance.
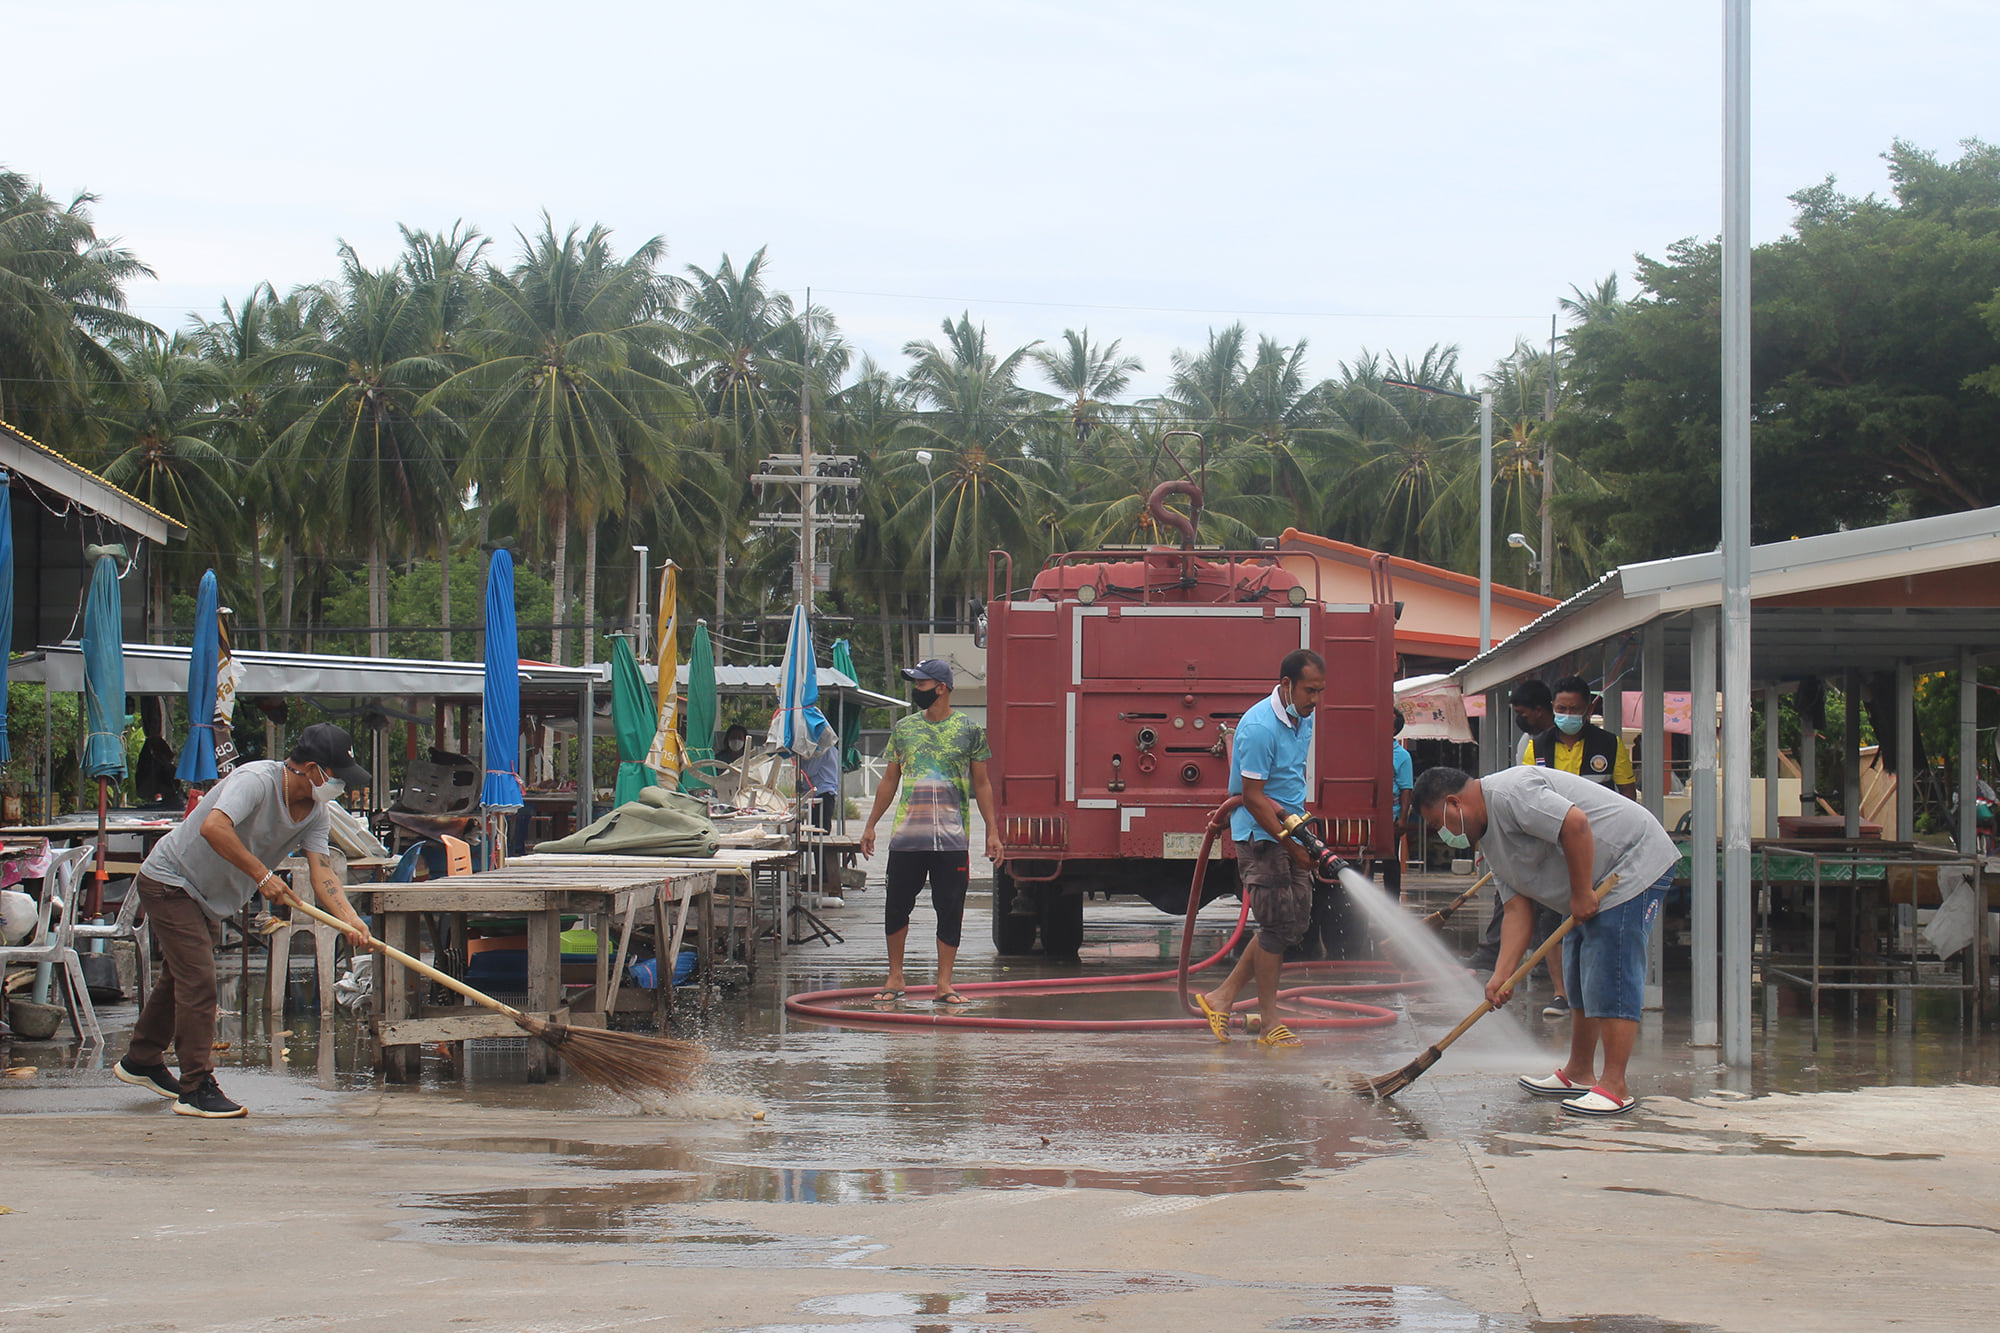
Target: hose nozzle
(1326, 863)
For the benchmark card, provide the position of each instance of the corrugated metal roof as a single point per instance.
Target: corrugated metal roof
(61, 475)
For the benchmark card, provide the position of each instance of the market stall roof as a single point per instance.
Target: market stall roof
(764, 680)
(1917, 592)
(23, 454)
(162, 669)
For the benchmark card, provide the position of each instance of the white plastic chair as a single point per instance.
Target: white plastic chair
(126, 926)
(53, 942)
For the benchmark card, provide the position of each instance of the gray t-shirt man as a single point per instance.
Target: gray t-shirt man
(254, 799)
(1525, 808)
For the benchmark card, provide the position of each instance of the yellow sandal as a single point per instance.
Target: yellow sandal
(1279, 1036)
(1218, 1019)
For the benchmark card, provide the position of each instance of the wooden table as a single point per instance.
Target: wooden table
(738, 867)
(541, 894)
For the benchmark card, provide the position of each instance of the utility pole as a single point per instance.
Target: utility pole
(1548, 551)
(811, 473)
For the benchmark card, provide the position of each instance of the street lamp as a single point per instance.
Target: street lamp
(643, 636)
(1485, 401)
(924, 457)
(1515, 539)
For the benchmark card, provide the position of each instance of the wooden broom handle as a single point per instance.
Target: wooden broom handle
(414, 964)
(1521, 972)
(1465, 897)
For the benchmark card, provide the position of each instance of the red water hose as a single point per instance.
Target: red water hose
(827, 1004)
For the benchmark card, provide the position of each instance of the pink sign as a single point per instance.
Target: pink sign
(1680, 708)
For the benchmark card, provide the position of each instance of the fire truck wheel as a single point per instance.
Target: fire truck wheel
(1013, 935)
(1062, 922)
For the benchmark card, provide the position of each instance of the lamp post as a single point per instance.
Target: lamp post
(924, 457)
(1485, 401)
(642, 638)
(1520, 542)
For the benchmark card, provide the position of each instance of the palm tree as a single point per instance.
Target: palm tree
(236, 347)
(159, 426)
(1088, 374)
(573, 388)
(62, 296)
(741, 362)
(989, 483)
(362, 434)
(1207, 387)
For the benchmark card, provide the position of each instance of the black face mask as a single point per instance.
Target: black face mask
(1527, 727)
(923, 698)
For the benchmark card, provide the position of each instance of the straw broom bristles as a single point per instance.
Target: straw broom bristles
(624, 1062)
(1388, 1085)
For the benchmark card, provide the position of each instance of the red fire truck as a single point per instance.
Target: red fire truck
(1115, 681)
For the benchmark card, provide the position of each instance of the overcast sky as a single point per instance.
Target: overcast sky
(1384, 175)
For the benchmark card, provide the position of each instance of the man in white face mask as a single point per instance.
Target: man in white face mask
(208, 869)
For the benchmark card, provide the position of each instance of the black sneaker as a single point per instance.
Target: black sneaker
(207, 1101)
(155, 1078)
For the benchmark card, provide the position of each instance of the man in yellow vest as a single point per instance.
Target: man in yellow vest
(1577, 745)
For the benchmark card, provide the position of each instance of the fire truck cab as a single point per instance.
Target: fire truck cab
(1115, 681)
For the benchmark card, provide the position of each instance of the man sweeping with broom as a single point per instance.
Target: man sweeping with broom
(1549, 837)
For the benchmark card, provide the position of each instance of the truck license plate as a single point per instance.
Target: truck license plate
(1180, 846)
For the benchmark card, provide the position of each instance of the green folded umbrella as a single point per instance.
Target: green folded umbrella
(634, 715)
(700, 707)
(847, 711)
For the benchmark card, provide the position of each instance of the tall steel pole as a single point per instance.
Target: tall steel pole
(1548, 516)
(1485, 521)
(924, 457)
(1736, 915)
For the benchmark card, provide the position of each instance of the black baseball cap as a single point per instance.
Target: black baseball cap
(333, 750)
(931, 668)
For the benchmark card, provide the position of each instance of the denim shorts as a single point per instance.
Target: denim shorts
(1604, 958)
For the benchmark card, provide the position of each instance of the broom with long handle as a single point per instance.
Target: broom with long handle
(622, 1061)
(1437, 919)
(1388, 1085)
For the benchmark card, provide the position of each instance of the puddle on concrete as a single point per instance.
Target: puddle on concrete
(974, 1296)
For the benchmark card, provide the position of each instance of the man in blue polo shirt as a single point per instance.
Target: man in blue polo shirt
(1267, 767)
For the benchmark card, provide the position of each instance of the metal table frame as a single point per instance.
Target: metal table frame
(1866, 864)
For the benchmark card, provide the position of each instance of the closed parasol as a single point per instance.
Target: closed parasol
(198, 754)
(633, 718)
(700, 708)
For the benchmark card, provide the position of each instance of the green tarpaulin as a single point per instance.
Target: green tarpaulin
(634, 716)
(657, 822)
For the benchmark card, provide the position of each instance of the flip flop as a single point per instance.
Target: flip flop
(1279, 1037)
(887, 996)
(949, 996)
(1218, 1019)
(1598, 1102)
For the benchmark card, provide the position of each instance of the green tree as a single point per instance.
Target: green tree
(573, 385)
(62, 297)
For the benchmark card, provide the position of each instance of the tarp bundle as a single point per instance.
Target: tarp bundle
(658, 823)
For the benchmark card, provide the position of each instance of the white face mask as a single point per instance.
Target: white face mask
(328, 790)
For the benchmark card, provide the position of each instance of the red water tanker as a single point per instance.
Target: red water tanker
(1115, 681)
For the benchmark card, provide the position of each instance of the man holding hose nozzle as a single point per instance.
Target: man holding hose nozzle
(1551, 837)
(1267, 767)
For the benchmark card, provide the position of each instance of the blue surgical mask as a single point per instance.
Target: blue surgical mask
(1458, 842)
(1569, 723)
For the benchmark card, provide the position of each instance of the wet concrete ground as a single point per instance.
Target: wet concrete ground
(964, 1180)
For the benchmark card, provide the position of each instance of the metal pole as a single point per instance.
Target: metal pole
(1968, 752)
(1906, 753)
(808, 493)
(1850, 753)
(586, 745)
(1548, 551)
(1702, 847)
(1485, 521)
(1771, 761)
(1736, 916)
(1653, 782)
(931, 485)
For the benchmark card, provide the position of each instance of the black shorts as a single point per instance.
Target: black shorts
(903, 880)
